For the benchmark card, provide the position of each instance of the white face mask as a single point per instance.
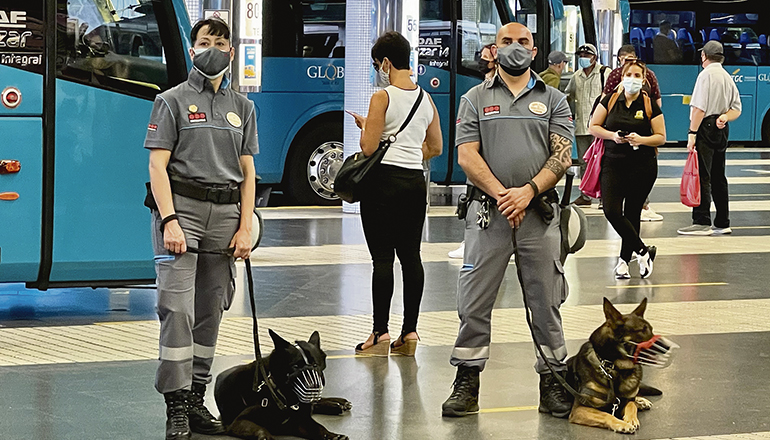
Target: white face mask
(632, 85)
(381, 78)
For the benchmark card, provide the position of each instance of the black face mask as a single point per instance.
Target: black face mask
(484, 66)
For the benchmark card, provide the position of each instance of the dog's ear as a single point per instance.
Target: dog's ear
(611, 313)
(315, 339)
(278, 341)
(639, 311)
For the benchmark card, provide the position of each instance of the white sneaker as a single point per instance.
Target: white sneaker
(649, 215)
(645, 261)
(695, 230)
(621, 270)
(722, 231)
(459, 252)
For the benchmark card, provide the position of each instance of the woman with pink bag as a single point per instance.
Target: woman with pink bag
(632, 127)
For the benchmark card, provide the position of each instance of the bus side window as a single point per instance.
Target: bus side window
(115, 49)
(476, 31)
(308, 29)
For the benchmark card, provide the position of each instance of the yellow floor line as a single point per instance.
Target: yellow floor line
(345, 356)
(508, 409)
(641, 286)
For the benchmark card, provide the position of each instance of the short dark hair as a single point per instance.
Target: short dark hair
(393, 46)
(716, 58)
(665, 24)
(627, 49)
(217, 28)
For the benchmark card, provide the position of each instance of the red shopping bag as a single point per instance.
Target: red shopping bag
(590, 184)
(689, 190)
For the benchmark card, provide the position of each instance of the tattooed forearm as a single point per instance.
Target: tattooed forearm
(561, 155)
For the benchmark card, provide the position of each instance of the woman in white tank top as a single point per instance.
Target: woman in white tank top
(394, 201)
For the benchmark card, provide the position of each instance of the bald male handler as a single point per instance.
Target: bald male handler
(514, 142)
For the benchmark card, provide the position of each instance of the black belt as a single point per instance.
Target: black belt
(205, 193)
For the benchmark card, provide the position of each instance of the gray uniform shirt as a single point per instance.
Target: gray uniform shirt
(715, 91)
(206, 132)
(514, 132)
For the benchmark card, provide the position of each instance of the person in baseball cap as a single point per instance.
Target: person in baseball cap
(712, 48)
(557, 61)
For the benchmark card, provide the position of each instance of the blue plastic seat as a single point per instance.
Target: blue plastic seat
(703, 35)
(714, 35)
(763, 39)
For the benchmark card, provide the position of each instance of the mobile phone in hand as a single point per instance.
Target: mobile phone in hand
(623, 133)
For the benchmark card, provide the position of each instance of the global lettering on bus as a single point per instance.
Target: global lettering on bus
(329, 72)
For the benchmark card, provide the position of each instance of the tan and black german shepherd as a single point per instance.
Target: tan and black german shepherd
(604, 373)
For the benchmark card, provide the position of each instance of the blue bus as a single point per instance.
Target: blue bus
(742, 26)
(78, 78)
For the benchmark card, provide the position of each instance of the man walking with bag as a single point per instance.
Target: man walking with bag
(715, 102)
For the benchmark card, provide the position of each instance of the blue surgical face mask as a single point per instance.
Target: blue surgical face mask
(584, 63)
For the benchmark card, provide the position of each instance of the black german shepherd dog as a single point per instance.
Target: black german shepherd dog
(604, 373)
(255, 415)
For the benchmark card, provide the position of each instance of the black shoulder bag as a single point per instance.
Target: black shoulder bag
(347, 183)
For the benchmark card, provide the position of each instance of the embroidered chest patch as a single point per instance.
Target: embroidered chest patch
(639, 115)
(538, 108)
(197, 117)
(492, 110)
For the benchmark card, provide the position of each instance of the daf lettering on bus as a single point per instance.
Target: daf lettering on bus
(13, 19)
(329, 72)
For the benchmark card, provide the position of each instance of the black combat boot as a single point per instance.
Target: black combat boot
(554, 398)
(177, 424)
(465, 397)
(201, 420)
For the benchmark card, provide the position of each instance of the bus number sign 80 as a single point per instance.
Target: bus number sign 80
(252, 10)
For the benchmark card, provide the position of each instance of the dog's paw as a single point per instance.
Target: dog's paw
(633, 421)
(623, 427)
(642, 403)
(332, 406)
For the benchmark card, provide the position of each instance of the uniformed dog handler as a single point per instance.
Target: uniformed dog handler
(514, 141)
(202, 138)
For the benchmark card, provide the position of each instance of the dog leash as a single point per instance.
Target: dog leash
(280, 400)
(583, 399)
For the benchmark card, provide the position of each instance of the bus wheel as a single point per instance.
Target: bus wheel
(314, 164)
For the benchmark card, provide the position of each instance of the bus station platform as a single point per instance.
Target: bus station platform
(80, 363)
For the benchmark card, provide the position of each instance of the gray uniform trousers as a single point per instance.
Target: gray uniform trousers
(487, 254)
(193, 292)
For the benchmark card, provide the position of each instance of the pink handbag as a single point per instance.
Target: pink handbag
(689, 190)
(590, 184)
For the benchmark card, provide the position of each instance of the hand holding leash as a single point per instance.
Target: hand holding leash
(173, 238)
(241, 242)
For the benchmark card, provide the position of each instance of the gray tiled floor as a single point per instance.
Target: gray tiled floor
(717, 385)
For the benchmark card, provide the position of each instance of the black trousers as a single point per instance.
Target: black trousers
(711, 144)
(393, 214)
(626, 183)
